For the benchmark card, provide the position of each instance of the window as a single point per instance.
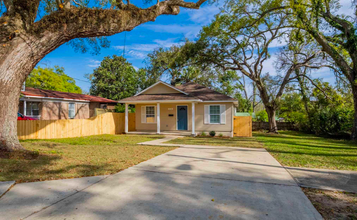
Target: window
(32, 108)
(215, 114)
(150, 114)
(71, 110)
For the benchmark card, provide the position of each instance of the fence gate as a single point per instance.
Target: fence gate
(242, 126)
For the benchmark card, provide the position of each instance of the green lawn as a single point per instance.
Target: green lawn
(77, 157)
(294, 149)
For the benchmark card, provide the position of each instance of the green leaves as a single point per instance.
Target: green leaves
(52, 79)
(116, 79)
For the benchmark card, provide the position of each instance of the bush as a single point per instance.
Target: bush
(332, 120)
(120, 108)
(220, 135)
(212, 133)
(261, 116)
(203, 134)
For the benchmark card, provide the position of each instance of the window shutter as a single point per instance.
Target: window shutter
(155, 114)
(143, 114)
(223, 114)
(206, 116)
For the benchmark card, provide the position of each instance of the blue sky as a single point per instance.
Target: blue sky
(166, 31)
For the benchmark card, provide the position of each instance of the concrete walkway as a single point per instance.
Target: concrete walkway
(5, 186)
(337, 180)
(190, 182)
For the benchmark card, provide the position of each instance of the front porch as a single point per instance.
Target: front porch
(170, 133)
(175, 118)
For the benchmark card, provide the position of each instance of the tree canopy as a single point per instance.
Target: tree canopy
(52, 79)
(116, 79)
(30, 29)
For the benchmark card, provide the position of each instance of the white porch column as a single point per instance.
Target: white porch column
(126, 118)
(25, 107)
(193, 119)
(158, 117)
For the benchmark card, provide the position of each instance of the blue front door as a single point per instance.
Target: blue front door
(181, 117)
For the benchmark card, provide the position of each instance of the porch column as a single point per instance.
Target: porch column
(158, 118)
(25, 107)
(193, 119)
(126, 118)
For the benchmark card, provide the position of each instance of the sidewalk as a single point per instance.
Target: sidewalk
(336, 180)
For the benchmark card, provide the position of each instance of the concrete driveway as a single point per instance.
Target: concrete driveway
(191, 182)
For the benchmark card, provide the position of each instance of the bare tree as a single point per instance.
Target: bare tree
(25, 38)
(236, 40)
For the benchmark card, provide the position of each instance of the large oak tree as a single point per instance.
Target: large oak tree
(25, 38)
(238, 40)
(334, 31)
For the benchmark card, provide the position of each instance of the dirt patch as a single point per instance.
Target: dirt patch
(20, 155)
(333, 205)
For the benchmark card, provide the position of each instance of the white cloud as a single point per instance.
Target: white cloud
(188, 31)
(346, 7)
(204, 15)
(94, 63)
(140, 51)
(137, 54)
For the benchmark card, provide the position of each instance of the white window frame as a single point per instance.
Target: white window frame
(74, 110)
(145, 115)
(29, 106)
(221, 110)
(219, 114)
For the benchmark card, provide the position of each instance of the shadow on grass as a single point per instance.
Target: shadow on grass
(22, 169)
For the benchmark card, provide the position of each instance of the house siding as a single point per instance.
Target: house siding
(169, 123)
(160, 89)
(59, 110)
(225, 129)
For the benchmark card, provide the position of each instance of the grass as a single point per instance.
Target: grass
(293, 149)
(77, 157)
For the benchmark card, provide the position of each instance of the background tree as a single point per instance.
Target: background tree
(30, 29)
(52, 79)
(180, 64)
(237, 40)
(330, 109)
(116, 79)
(177, 65)
(335, 33)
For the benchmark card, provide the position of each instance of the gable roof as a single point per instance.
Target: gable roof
(203, 93)
(160, 82)
(190, 92)
(43, 93)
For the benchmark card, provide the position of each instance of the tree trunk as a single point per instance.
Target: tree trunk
(273, 128)
(354, 129)
(305, 99)
(15, 65)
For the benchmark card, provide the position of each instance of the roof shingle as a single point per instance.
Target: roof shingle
(194, 91)
(64, 95)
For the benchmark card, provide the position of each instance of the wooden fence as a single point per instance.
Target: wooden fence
(242, 126)
(108, 123)
(281, 126)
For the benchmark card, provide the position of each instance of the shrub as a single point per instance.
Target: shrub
(203, 134)
(120, 108)
(212, 133)
(332, 120)
(261, 116)
(220, 135)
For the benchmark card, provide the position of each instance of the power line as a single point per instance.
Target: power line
(82, 80)
(124, 44)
